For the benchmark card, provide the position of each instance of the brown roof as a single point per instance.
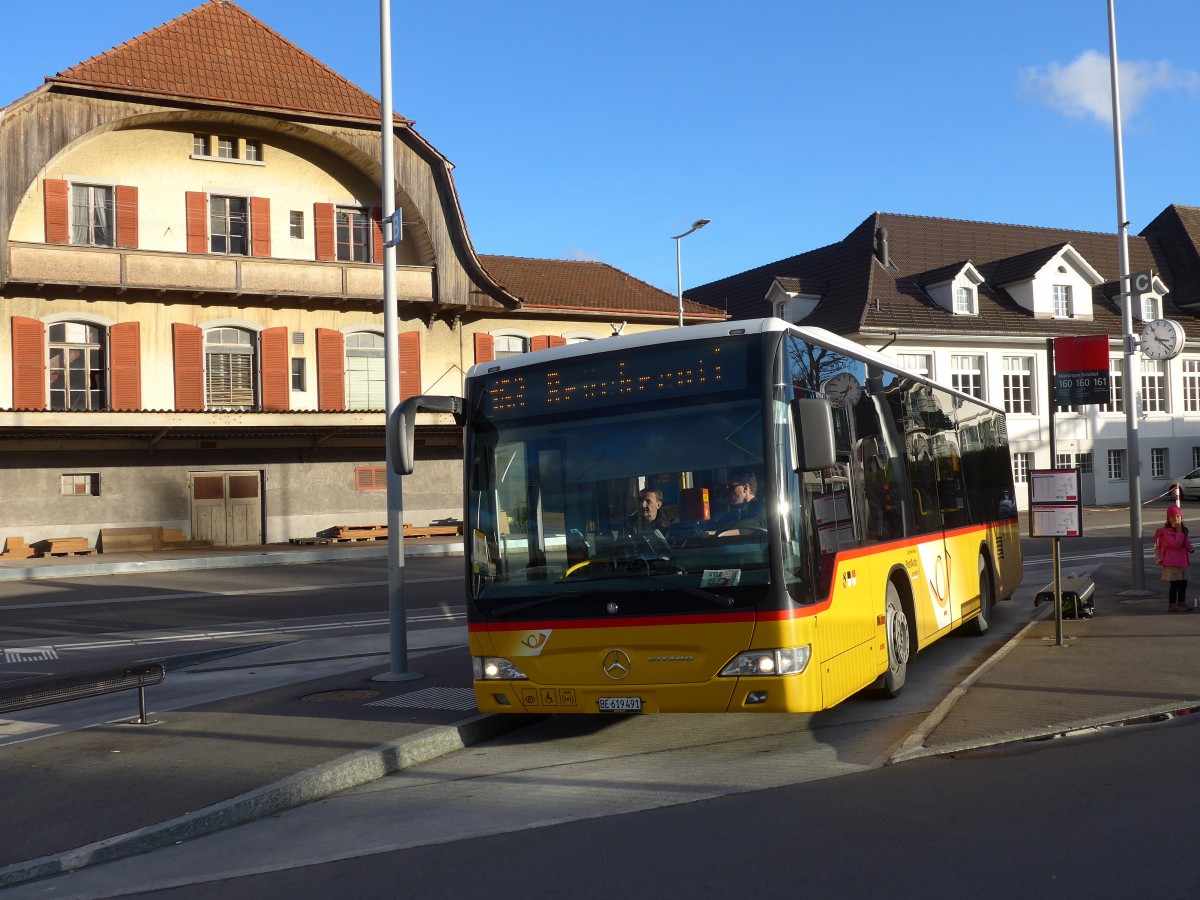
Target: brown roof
(567, 284)
(863, 295)
(219, 52)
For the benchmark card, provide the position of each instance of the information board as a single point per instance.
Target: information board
(1055, 504)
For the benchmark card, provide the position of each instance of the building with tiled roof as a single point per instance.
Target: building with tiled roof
(973, 304)
(190, 267)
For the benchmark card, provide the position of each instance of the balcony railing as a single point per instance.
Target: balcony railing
(123, 270)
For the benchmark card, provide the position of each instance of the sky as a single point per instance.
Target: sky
(599, 130)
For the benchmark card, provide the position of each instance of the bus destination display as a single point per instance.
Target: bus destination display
(647, 374)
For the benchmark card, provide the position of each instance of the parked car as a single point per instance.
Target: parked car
(1189, 485)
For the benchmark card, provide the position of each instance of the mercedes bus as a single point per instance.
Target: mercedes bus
(819, 516)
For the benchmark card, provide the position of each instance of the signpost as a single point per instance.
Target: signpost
(1078, 368)
(1055, 511)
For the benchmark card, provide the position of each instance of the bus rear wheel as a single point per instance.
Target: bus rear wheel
(987, 598)
(899, 644)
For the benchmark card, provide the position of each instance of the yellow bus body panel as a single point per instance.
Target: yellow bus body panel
(674, 662)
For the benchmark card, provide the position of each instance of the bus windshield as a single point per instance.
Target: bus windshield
(649, 509)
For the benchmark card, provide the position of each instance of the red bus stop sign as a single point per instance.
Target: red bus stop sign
(1081, 373)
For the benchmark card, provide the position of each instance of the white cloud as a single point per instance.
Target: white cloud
(1081, 88)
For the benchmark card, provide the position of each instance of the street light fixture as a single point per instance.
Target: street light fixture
(696, 226)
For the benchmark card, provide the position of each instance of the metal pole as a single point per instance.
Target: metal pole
(679, 277)
(397, 614)
(1129, 369)
(1055, 550)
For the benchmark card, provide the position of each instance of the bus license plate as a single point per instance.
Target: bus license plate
(620, 704)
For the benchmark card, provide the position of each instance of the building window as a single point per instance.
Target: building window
(353, 236)
(920, 363)
(1158, 462)
(1196, 457)
(1191, 385)
(370, 478)
(227, 147)
(1021, 463)
(509, 345)
(1080, 461)
(966, 374)
(229, 225)
(1018, 384)
(296, 223)
(1149, 307)
(91, 215)
(229, 368)
(1062, 302)
(1154, 386)
(76, 366)
(81, 485)
(1116, 378)
(254, 150)
(366, 380)
(1116, 465)
(298, 380)
(964, 301)
(200, 145)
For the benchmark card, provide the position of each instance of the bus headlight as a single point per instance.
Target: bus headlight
(784, 661)
(495, 668)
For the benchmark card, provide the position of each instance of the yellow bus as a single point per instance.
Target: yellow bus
(747, 517)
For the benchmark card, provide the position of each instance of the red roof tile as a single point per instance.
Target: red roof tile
(219, 52)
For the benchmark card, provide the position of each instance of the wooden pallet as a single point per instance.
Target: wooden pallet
(75, 546)
(432, 531)
(16, 548)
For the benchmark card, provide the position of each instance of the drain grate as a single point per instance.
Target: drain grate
(433, 698)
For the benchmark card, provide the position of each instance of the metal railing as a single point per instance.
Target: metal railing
(34, 692)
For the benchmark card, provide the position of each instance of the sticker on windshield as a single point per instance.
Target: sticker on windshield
(720, 578)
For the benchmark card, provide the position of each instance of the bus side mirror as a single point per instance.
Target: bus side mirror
(812, 422)
(402, 427)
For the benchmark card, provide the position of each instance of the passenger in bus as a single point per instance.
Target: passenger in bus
(746, 513)
(650, 516)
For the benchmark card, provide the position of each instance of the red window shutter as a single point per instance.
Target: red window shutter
(323, 231)
(127, 216)
(260, 226)
(58, 211)
(197, 222)
(125, 356)
(410, 364)
(543, 341)
(485, 348)
(276, 371)
(29, 363)
(377, 236)
(331, 369)
(189, 366)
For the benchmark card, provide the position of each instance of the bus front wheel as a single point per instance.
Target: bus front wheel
(899, 644)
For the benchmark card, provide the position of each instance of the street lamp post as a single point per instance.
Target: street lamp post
(696, 226)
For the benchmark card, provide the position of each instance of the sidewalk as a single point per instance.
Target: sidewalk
(247, 736)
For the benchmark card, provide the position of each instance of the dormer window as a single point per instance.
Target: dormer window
(964, 300)
(1150, 307)
(1063, 308)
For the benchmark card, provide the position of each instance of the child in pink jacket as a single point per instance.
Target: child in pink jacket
(1171, 548)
